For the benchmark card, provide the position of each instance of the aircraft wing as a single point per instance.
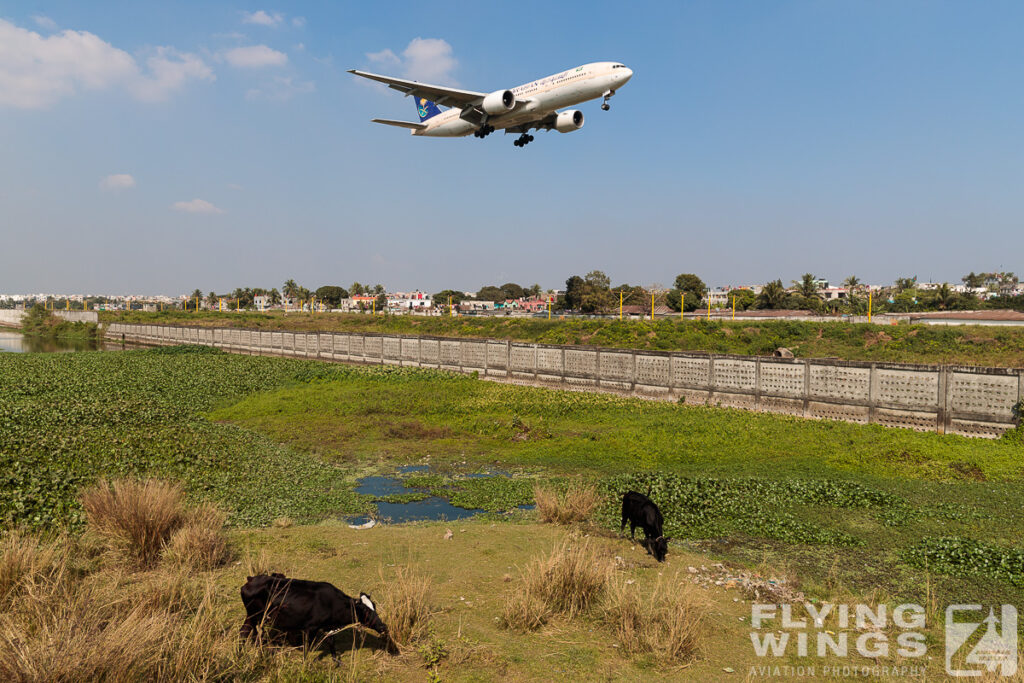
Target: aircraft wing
(546, 122)
(449, 97)
(400, 124)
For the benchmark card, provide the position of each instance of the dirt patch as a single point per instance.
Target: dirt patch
(905, 457)
(967, 471)
(873, 338)
(752, 331)
(413, 429)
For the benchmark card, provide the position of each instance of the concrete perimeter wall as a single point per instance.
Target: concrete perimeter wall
(971, 401)
(12, 317)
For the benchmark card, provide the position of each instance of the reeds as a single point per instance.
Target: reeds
(135, 518)
(575, 505)
(409, 608)
(667, 620)
(565, 582)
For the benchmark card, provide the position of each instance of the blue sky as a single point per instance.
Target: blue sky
(756, 140)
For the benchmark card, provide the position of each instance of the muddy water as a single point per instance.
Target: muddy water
(15, 342)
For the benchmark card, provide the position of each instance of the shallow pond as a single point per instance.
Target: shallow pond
(432, 508)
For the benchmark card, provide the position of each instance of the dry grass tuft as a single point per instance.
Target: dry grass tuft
(283, 522)
(407, 605)
(575, 505)
(668, 621)
(135, 518)
(102, 628)
(200, 543)
(27, 562)
(565, 582)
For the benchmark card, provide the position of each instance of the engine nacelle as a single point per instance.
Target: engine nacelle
(569, 120)
(499, 102)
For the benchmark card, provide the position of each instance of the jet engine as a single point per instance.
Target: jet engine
(569, 120)
(499, 102)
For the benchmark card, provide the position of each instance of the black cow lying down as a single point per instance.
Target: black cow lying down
(310, 609)
(640, 511)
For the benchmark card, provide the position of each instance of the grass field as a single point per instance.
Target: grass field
(846, 512)
(966, 345)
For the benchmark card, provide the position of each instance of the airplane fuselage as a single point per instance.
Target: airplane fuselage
(545, 95)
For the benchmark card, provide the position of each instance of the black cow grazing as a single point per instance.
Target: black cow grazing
(640, 511)
(309, 609)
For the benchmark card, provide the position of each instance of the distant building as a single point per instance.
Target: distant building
(409, 301)
(834, 293)
(475, 305)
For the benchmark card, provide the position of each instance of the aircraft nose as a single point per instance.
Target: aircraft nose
(625, 75)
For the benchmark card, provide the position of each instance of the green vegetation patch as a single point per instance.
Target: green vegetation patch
(67, 419)
(39, 322)
(966, 557)
(700, 507)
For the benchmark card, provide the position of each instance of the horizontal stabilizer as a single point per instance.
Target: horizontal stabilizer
(400, 124)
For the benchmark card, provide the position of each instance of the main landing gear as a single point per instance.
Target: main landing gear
(607, 96)
(523, 140)
(483, 131)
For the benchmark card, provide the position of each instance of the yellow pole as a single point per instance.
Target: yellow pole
(450, 311)
(374, 307)
(682, 304)
(549, 309)
(652, 307)
(709, 307)
(734, 307)
(197, 305)
(67, 304)
(869, 304)
(620, 304)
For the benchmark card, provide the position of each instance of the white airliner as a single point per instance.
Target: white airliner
(519, 110)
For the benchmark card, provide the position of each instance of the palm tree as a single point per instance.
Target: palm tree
(945, 296)
(806, 286)
(773, 295)
(852, 284)
(275, 297)
(290, 288)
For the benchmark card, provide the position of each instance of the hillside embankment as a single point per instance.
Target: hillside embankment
(960, 345)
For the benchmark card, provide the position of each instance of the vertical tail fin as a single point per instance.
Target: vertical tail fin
(427, 109)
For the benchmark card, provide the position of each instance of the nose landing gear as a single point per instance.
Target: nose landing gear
(483, 131)
(523, 140)
(607, 96)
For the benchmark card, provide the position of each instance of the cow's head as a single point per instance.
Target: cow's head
(659, 547)
(366, 612)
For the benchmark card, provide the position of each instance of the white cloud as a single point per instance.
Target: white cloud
(254, 56)
(36, 71)
(423, 59)
(44, 22)
(298, 22)
(262, 18)
(385, 58)
(280, 89)
(168, 71)
(118, 181)
(429, 59)
(196, 206)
